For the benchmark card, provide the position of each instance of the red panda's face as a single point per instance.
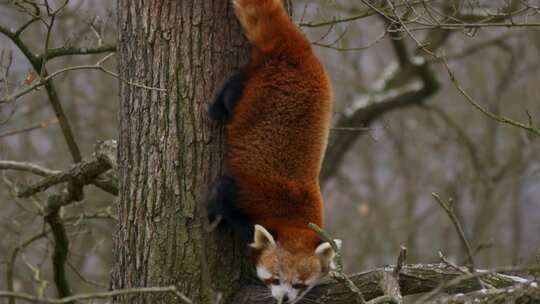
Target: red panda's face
(288, 275)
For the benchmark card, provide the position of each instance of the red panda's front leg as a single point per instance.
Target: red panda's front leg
(227, 98)
(222, 201)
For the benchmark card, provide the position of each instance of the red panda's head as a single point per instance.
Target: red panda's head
(289, 275)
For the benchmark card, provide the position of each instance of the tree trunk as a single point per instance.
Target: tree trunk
(169, 152)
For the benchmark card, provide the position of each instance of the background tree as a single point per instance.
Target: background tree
(169, 152)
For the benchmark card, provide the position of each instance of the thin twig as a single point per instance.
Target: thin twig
(98, 66)
(26, 167)
(381, 300)
(366, 13)
(10, 264)
(449, 209)
(531, 128)
(477, 47)
(450, 264)
(477, 275)
(501, 119)
(37, 126)
(52, 94)
(463, 270)
(71, 50)
(338, 273)
(83, 278)
(352, 49)
(402, 257)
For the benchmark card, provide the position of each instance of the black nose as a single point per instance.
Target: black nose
(285, 298)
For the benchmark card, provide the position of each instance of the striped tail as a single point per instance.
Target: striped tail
(265, 23)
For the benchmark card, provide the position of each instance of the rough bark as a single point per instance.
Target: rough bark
(169, 152)
(523, 294)
(413, 279)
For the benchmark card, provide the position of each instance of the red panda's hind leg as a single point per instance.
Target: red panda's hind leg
(222, 201)
(227, 98)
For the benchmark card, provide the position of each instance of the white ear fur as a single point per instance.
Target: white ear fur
(262, 239)
(325, 250)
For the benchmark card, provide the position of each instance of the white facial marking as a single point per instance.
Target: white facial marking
(293, 293)
(263, 273)
(279, 291)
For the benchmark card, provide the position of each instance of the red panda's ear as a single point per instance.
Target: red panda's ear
(325, 251)
(262, 239)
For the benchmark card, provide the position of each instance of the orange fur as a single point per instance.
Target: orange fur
(278, 132)
(269, 30)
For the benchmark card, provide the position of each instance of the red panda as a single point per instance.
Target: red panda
(277, 110)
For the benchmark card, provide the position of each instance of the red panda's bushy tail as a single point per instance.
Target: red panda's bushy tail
(265, 23)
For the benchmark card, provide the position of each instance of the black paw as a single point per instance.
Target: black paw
(222, 197)
(217, 112)
(222, 203)
(223, 106)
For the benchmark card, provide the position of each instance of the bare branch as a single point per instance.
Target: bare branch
(37, 126)
(10, 264)
(105, 157)
(523, 293)
(413, 279)
(402, 257)
(497, 41)
(449, 209)
(61, 247)
(338, 274)
(502, 119)
(449, 285)
(73, 50)
(21, 29)
(26, 167)
(351, 49)
(83, 278)
(365, 110)
(83, 173)
(368, 12)
(97, 66)
(465, 139)
(51, 93)
(97, 295)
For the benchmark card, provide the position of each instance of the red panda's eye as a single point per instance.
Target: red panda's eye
(274, 282)
(299, 286)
